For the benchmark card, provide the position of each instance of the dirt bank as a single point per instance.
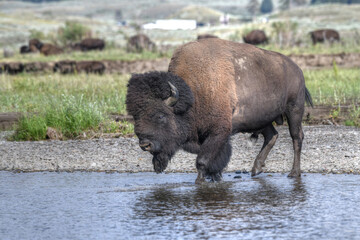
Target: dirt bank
(326, 149)
(310, 61)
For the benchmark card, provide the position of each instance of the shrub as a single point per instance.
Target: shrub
(73, 31)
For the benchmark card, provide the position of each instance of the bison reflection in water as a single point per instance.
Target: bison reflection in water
(215, 88)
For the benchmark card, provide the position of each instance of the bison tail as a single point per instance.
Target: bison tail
(308, 98)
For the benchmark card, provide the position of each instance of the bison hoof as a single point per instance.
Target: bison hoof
(256, 171)
(294, 174)
(216, 177)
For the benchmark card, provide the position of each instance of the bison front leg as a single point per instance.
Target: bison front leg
(213, 157)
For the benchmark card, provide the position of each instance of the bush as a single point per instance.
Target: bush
(72, 32)
(36, 34)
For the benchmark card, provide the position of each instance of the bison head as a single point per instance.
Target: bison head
(159, 103)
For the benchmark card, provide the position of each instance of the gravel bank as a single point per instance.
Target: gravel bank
(326, 149)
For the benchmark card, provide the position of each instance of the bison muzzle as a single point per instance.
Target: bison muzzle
(215, 88)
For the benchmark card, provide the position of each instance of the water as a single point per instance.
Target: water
(170, 206)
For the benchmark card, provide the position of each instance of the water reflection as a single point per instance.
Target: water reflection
(170, 206)
(249, 205)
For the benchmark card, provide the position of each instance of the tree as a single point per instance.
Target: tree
(266, 6)
(253, 7)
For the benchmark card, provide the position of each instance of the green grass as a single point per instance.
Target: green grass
(77, 104)
(71, 104)
(106, 54)
(32, 92)
(334, 86)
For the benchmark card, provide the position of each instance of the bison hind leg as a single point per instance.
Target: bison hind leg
(270, 135)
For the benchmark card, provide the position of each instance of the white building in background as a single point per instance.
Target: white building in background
(171, 24)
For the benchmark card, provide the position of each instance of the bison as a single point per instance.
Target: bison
(44, 48)
(33, 45)
(139, 43)
(215, 88)
(255, 37)
(49, 49)
(89, 44)
(323, 35)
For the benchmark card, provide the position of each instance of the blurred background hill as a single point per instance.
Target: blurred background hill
(116, 21)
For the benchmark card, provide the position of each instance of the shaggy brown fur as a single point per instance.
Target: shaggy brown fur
(33, 45)
(49, 49)
(324, 35)
(236, 88)
(256, 37)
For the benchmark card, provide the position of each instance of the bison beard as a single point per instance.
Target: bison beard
(160, 162)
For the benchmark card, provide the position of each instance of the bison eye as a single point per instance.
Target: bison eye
(162, 118)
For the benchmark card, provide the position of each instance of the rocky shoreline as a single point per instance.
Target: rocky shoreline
(326, 149)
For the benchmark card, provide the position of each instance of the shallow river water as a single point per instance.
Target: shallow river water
(85, 205)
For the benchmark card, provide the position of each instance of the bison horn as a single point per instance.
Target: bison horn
(174, 97)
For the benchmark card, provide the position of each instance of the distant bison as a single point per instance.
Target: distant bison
(33, 43)
(324, 35)
(31, 47)
(44, 48)
(139, 43)
(89, 44)
(202, 36)
(49, 49)
(13, 67)
(215, 88)
(90, 67)
(67, 66)
(255, 37)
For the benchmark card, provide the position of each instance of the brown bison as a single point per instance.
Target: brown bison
(49, 49)
(13, 67)
(89, 44)
(139, 43)
(44, 48)
(202, 36)
(215, 88)
(33, 43)
(255, 37)
(323, 35)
